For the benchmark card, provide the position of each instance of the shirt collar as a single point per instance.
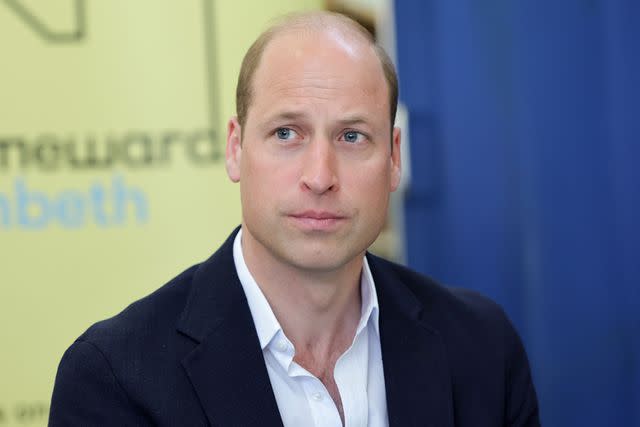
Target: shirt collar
(267, 326)
(370, 310)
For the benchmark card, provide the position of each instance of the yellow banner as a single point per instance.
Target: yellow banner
(112, 129)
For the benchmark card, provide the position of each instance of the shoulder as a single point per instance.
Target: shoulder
(443, 305)
(467, 322)
(130, 365)
(142, 319)
(485, 356)
(191, 294)
(166, 324)
(122, 364)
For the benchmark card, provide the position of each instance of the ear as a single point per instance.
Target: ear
(396, 161)
(233, 153)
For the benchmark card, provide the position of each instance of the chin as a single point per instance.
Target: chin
(325, 260)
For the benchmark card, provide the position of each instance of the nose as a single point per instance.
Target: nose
(319, 174)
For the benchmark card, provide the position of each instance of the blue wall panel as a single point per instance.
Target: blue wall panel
(524, 120)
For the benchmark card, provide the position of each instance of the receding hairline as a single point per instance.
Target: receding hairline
(314, 22)
(317, 22)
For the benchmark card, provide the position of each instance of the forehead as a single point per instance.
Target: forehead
(316, 66)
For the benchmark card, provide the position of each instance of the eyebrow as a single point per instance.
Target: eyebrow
(354, 120)
(286, 115)
(295, 115)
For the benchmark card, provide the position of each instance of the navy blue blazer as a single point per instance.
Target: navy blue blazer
(189, 355)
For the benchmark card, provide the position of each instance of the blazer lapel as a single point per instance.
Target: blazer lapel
(416, 372)
(227, 368)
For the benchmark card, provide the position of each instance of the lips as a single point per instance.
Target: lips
(317, 220)
(318, 215)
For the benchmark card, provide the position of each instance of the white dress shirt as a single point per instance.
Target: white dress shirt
(302, 398)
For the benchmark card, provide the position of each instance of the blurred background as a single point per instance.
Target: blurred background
(522, 133)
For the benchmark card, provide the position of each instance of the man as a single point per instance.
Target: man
(290, 322)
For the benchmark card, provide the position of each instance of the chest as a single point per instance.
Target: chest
(346, 390)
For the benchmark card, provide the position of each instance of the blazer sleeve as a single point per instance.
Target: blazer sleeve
(87, 393)
(522, 403)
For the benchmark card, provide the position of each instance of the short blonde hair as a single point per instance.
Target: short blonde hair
(319, 20)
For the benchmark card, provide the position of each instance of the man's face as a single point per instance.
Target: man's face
(314, 158)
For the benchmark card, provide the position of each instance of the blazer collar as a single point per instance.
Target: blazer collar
(229, 375)
(416, 372)
(227, 368)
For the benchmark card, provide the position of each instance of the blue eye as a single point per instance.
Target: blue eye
(285, 134)
(351, 136)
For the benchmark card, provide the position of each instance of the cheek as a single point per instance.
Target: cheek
(369, 184)
(265, 179)
(374, 175)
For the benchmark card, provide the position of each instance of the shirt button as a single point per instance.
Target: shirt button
(282, 345)
(317, 396)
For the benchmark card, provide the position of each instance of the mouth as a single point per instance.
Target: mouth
(317, 220)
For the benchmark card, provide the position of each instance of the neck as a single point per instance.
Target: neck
(318, 310)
